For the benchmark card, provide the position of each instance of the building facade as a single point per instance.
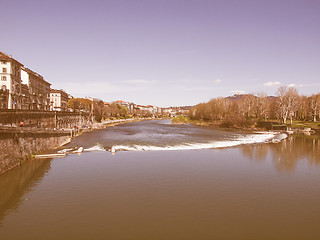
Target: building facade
(10, 82)
(39, 90)
(4, 96)
(58, 100)
(129, 105)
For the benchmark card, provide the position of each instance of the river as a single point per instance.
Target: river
(168, 182)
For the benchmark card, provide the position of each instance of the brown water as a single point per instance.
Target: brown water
(260, 191)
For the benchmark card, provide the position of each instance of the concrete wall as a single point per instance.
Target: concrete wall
(17, 146)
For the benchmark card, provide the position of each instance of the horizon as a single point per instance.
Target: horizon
(168, 53)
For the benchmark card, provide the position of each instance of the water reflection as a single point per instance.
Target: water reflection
(286, 154)
(17, 182)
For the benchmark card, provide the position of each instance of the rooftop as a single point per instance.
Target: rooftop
(6, 57)
(34, 73)
(58, 91)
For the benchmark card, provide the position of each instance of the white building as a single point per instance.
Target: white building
(58, 100)
(10, 81)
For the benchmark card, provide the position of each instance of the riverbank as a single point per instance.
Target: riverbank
(226, 125)
(114, 122)
(19, 144)
(251, 125)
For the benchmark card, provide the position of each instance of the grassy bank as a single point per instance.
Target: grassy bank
(249, 124)
(305, 124)
(235, 124)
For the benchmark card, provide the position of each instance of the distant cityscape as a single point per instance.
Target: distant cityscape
(25, 89)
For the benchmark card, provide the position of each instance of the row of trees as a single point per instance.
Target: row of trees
(97, 108)
(101, 111)
(287, 104)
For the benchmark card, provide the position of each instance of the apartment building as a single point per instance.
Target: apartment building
(58, 100)
(39, 90)
(4, 95)
(129, 105)
(10, 82)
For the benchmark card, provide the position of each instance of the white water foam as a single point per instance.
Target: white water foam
(66, 150)
(251, 139)
(262, 137)
(279, 137)
(97, 147)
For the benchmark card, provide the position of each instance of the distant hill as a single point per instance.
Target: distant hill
(237, 97)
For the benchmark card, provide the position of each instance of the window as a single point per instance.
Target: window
(3, 62)
(4, 70)
(3, 78)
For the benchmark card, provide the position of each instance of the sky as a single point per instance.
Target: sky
(166, 52)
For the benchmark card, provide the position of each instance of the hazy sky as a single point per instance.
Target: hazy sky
(166, 52)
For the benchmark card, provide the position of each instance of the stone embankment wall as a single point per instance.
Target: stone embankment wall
(42, 119)
(17, 146)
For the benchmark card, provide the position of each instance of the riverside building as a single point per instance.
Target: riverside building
(10, 82)
(58, 100)
(22, 88)
(38, 89)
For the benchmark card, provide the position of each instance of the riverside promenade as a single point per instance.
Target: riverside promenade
(42, 119)
(113, 122)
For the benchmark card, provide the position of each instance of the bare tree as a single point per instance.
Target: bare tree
(303, 108)
(287, 102)
(281, 107)
(262, 106)
(292, 97)
(249, 102)
(315, 106)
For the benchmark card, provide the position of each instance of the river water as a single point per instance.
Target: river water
(168, 182)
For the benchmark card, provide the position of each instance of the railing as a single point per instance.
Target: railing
(41, 119)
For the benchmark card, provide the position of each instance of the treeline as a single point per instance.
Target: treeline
(100, 111)
(245, 109)
(97, 108)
